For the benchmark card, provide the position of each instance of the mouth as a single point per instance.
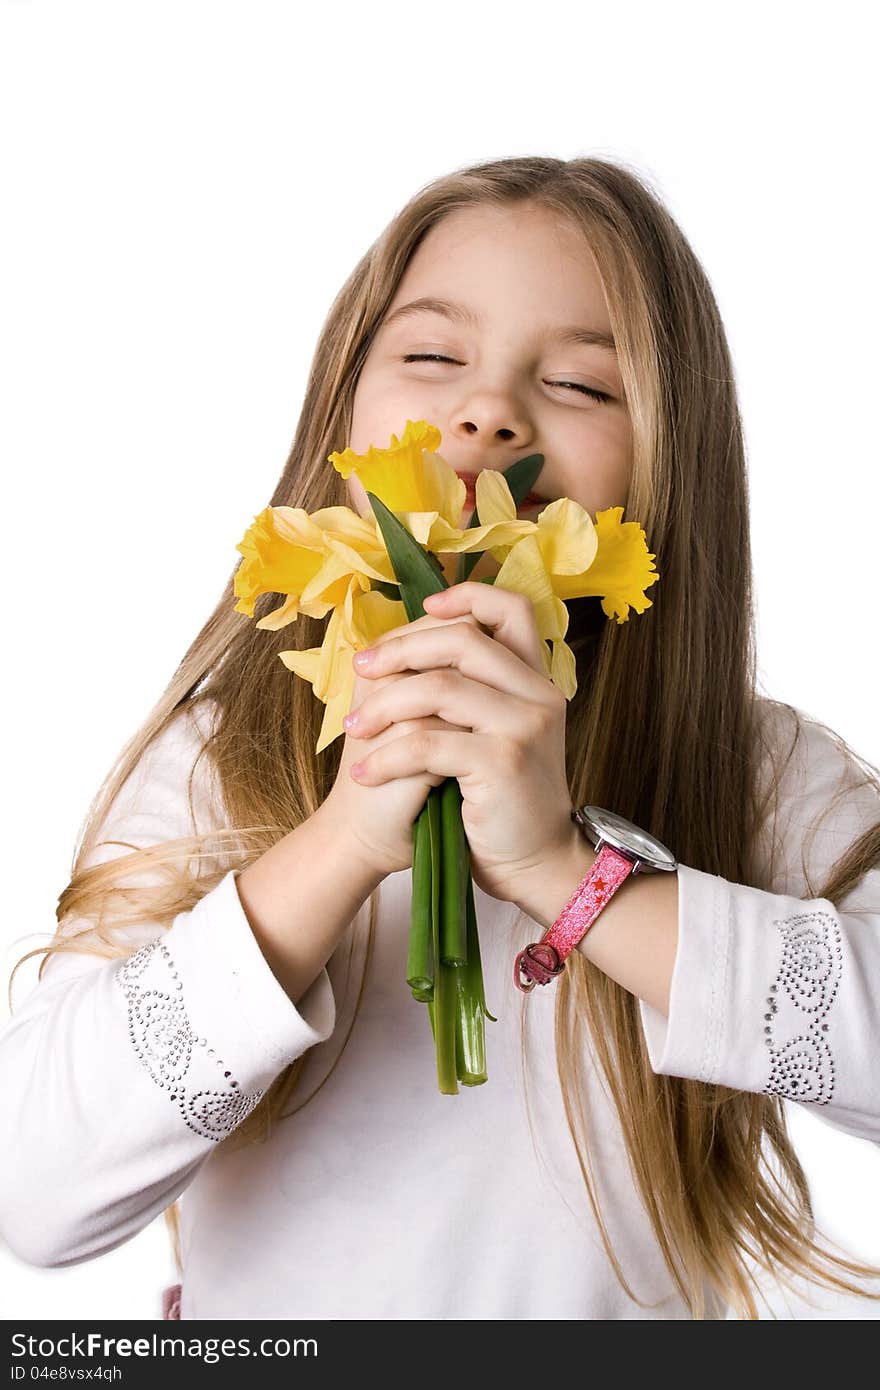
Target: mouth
(529, 502)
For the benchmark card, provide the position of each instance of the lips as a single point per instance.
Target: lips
(470, 479)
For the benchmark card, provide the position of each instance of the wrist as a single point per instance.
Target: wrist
(299, 899)
(343, 843)
(543, 893)
(622, 850)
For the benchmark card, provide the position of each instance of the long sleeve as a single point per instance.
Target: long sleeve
(779, 992)
(121, 1076)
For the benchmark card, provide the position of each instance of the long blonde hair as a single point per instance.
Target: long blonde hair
(683, 679)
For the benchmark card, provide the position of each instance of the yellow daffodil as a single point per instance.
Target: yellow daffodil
(312, 559)
(566, 556)
(622, 570)
(562, 555)
(406, 476)
(562, 543)
(330, 560)
(424, 491)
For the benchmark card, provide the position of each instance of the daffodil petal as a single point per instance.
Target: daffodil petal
(375, 615)
(563, 669)
(568, 539)
(303, 663)
(344, 524)
(445, 539)
(332, 581)
(372, 562)
(524, 572)
(280, 617)
(494, 499)
(331, 725)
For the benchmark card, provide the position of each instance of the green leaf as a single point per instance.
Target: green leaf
(522, 476)
(389, 590)
(418, 571)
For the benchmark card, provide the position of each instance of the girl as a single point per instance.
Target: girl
(223, 1013)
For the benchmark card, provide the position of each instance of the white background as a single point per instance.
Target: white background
(185, 187)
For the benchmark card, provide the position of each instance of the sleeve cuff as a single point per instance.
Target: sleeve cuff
(713, 986)
(231, 996)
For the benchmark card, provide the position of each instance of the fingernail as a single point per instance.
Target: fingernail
(349, 721)
(364, 658)
(357, 769)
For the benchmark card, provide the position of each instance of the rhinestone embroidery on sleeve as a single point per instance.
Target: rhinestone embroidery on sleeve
(802, 1067)
(176, 1058)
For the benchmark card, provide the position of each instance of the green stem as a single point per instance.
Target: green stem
(470, 1041)
(467, 559)
(442, 1008)
(420, 957)
(455, 871)
(475, 964)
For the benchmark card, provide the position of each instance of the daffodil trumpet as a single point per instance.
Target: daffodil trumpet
(370, 575)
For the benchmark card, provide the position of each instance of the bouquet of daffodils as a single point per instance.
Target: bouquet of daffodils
(370, 576)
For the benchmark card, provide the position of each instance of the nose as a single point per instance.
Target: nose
(485, 431)
(489, 398)
(493, 418)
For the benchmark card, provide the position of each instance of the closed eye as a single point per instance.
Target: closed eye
(579, 386)
(601, 396)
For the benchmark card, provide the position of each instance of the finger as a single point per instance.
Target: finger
(428, 620)
(509, 616)
(452, 698)
(427, 750)
(472, 653)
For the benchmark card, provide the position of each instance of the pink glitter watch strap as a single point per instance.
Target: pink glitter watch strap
(543, 960)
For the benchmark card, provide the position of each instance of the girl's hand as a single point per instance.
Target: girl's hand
(502, 734)
(380, 818)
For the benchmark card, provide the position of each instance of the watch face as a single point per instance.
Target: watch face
(622, 835)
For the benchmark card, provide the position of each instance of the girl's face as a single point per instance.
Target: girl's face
(514, 283)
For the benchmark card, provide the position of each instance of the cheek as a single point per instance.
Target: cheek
(378, 411)
(358, 496)
(605, 481)
(624, 456)
(383, 403)
(362, 412)
(614, 447)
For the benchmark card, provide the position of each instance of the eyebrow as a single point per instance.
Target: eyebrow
(458, 313)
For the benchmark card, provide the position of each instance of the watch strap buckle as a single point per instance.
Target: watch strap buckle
(536, 964)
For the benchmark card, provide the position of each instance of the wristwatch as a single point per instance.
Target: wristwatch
(623, 849)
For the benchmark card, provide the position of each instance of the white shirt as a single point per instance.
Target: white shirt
(382, 1198)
